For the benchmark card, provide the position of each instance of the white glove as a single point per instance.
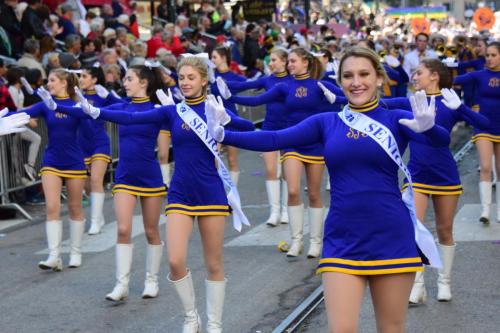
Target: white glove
(213, 124)
(223, 88)
(13, 123)
(451, 99)
(101, 91)
(335, 68)
(424, 114)
(165, 98)
(27, 86)
(46, 98)
(178, 94)
(328, 94)
(450, 62)
(114, 93)
(92, 111)
(222, 117)
(391, 61)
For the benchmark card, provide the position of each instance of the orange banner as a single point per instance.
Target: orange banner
(484, 19)
(420, 24)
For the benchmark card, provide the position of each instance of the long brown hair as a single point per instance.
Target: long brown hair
(436, 66)
(314, 67)
(70, 78)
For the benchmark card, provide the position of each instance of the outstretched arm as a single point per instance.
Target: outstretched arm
(239, 124)
(436, 136)
(474, 118)
(306, 132)
(275, 94)
(402, 103)
(237, 86)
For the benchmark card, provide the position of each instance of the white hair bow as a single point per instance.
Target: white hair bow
(96, 64)
(155, 63)
(73, 71)
(204, 56)
(318, 54)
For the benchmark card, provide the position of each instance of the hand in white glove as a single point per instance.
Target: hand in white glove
(223, 88)
(165, 98)
(178, 94)
(222, 117)
(46, 98)
(27, 86)
(450, 62)
(335, 68)
(424, 114)
(114, 93)
(328, 94)
(391, 60)
(101, 91)
(213, 125)
(13, 123)
(451, 99)
(92, 111)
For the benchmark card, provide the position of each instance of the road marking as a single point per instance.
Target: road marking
(106, 239)
(467, 228)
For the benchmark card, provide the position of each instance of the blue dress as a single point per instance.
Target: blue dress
(368, 229)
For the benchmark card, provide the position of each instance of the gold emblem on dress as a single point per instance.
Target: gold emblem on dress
(60, 115)
(494, 82)
(185, 126)
(301, 92)
(354, 134)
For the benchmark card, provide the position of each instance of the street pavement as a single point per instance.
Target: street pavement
(264, 286)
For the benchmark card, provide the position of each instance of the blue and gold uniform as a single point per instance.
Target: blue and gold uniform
(63, 156)
(92, 138)
(487, 83)
(302, 98)
(398, 81)
(275, 112)
(227, 76)
(138, 172)
(196, 188)
(433, 169)
(368, 229)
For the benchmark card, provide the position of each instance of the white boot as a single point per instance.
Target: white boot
(444, 278)
(165, 173)
(216, 291)
(123, 265)
(418, 293)
(153, 262)
(273, 195)
(53, 230)
(284, 202)
(76, 230)
(235, 176)
(493, 170)
(485, 197)
(185, 290)
(296, 215)
(96, 214)
(316, 223)
(497, 189)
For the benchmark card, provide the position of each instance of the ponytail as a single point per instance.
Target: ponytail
(154, 77)
(314, 67)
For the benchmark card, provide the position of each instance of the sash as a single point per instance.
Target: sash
(199, 127)
(383, 136)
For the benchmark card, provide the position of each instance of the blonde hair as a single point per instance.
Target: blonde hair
(70, 78)
(198, 64)
(363, 52)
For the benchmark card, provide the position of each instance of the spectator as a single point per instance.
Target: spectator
(31, 56)
(47, 45)
(89, 55)
(73, 44)
(10, 23)
(3, 72)
(53, 61)
(84, 25)
(34, 78)
(156, 41)
(69, 61)
(123, 36)
(251, 47)
(65, 21)
(112, 76)
(31, 24)
(412, 59)
(13, 77)
(162, 11)
(5, 98)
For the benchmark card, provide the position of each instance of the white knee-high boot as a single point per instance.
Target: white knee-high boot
(153, 262)
(485, 197)
(165, 173)
(296, 219)
(444, 278)
(185, 290)
(235, 176)
(123, 265)
(53, 230)
(418, 293)
(284, 202)
(273, 195)
(96, 214)
(216, 291)
(316, 223)
(76, 230)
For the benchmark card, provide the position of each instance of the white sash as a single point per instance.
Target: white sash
(199, 127)
(383, 136)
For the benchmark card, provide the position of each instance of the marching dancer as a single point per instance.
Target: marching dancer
(370, 230)
(303, 96)
(487, 83)
(275, 119)
(196, 189)
(434, 171)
